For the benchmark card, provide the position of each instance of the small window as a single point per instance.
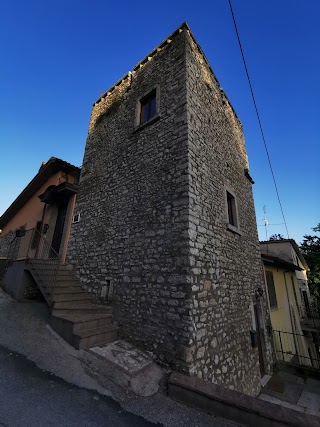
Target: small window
(232, 210)
(271, 291)
(148, 106)
(76, 218)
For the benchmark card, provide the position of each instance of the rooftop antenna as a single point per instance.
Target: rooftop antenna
(265, 221)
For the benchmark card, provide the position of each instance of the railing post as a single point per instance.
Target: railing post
(54, 282)
(281, 345)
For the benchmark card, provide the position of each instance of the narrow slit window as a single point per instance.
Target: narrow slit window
(148, 107)
(232, 212)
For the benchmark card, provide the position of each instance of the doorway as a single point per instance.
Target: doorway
(58, 231)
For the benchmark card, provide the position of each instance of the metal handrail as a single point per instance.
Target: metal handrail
(39, 248)
(31, 245)
(10, 254)
(42, 250)
(289, 347)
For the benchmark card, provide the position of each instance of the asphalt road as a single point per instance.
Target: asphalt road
(32, 397)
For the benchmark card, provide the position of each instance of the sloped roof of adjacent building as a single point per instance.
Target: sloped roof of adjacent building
(279, 262)
(46, 170)
(294, 245)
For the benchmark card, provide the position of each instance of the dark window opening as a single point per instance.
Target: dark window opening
(271, 290)
(232, 213)
(148, 107)
(59, 227)
(306, 303)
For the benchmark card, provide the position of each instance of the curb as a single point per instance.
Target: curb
(235, 406)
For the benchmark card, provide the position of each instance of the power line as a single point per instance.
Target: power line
(258, 116)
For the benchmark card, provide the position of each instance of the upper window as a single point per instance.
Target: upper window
(232, 210)
(148, 106)
(271, 290)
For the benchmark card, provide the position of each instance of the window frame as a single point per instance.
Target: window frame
(147, 104)
(231, 210)
(154, 93)
(272, 293)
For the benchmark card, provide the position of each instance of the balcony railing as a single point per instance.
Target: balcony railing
(296, 349)
(43, 260)
(309, 317)
(30, 244)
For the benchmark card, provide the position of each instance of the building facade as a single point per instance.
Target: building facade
(296, 327)
(38, 222)
(288, 250)
(168, 229)
(46, 204)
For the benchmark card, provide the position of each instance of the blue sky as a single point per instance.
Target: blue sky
(58, 56)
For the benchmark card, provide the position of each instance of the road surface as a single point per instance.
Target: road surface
(31, 397)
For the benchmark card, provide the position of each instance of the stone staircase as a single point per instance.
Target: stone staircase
(75, 316)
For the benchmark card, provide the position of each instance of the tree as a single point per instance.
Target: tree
(276, 237)
(310, 248)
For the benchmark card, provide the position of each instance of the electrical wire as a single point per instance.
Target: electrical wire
(258, 116)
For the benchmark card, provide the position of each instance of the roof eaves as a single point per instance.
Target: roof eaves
(295, 247)
(52, 165)
(270, 259)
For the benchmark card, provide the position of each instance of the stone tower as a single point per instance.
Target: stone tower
(167, 222)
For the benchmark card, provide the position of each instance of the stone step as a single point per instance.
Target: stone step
(95, 337)
(47, 276)
(63, 311)
(57, 277)
(68, 290)
(67, 282)
(80, 296)
(50, 266)
(85, 316)
(61, 275)
(44, 269)
(64, 272)
(41, 262)
(70, 323)
(123, 364)
(58, 290)
(91, 330)
(80, 327)
(79, 305)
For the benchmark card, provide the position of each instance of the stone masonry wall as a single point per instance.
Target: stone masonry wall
(227, 268)
(133, 201)
(153, 225)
